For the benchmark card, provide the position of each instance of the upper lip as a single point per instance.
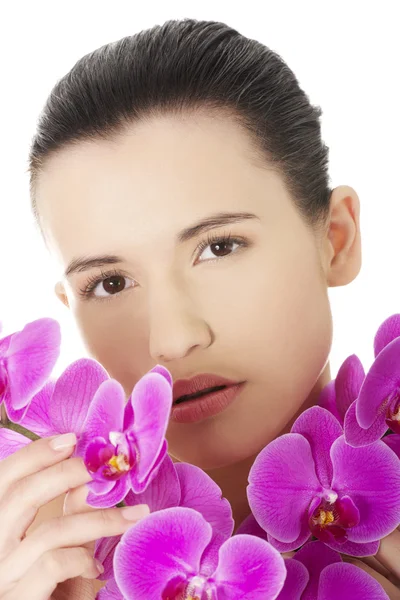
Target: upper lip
(185, 387)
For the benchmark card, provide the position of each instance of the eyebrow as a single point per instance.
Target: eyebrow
(212, 222)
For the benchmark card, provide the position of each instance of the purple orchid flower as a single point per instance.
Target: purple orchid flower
(318, 573)
(338, 395)
(27, 359)
(179, 484)
(377, 407)
(124, 445)
(61, 405)
(172, 555)
(311, 482)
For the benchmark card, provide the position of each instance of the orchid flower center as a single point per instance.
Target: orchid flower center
(331, 517)
(3, 380)
(114, 458)
(393, 412)
(196, 588)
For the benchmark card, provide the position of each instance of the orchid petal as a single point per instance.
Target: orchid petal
(110, 592)
(315, 556)
(73, 394)
(348, 382)
(380, 383)
(303, 537)
(37, 417)
(386, 333)
(358, 436)
(162, 371)
(164, 545)
(100, 486)
(111, 498)
(210, 556)
(104, 552)
(200, 492)
(296, 580)
(320, 428)
(327, 400)
(356, 548)
(151, 401)
(105, 414)
(30, 358)
(251, 527)
(348, 582)
(11, 441)
(249, 568)
(371, 477)
(393, 441)
(140, 487)
(162, 492)
(282, 483)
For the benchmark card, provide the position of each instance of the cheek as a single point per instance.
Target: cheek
(122, 349)
(282, 331)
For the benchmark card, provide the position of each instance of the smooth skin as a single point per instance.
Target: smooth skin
(259, 313)
(55, 559)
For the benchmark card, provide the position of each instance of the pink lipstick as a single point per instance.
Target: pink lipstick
(202, 396)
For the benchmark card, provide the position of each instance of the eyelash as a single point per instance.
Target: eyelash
(87, 291)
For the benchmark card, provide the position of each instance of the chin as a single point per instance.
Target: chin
(214, 452)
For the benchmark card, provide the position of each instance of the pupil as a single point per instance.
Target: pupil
(219, 245)
(110, 286)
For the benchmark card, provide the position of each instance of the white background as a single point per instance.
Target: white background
(346, 57)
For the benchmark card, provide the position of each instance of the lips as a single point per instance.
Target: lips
(187, 389)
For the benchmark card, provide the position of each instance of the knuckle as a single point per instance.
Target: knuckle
(51, 529)
(49, 564)
(105, 517)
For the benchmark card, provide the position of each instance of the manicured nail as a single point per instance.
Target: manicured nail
(134, 513)
(62, 442)
(99, 566)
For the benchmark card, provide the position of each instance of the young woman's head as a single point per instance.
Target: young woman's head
(187, 161)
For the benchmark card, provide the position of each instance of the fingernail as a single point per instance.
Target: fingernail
(67, 440)
(134, 513)
(99, 566)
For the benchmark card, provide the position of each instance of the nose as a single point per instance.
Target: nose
(176, 327)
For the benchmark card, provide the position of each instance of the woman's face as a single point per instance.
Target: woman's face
(254, 310)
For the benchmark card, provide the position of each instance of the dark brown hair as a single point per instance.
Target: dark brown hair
(185, 65)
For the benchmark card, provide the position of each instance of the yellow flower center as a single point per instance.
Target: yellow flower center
(119, 463)
(324, 518)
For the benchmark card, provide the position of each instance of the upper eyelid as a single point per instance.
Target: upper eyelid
(211, 237)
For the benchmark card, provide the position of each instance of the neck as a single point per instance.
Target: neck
(233, 479)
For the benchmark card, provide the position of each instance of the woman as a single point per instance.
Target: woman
(180, 178)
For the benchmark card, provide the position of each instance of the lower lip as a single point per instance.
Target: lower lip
(205, 406)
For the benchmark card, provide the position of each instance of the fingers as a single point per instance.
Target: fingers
(389, 553)
(69, 531)
(392, 591)
(32, 458)
(52, 568)
(74, 503)
(376, 565)
(27, 495)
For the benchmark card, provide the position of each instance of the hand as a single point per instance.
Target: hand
(385, 565)
(78, 588)
(32, 566)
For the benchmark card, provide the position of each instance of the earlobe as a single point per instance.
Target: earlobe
(344, 237)
(60, 293)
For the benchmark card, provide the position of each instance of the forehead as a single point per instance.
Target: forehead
(155, 177)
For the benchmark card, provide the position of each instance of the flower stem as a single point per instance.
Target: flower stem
(7, 424)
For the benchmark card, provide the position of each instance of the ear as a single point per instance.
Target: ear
(61, 293)
(343, 237)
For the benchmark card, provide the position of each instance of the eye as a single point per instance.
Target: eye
(219, 246)
(109, 284)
